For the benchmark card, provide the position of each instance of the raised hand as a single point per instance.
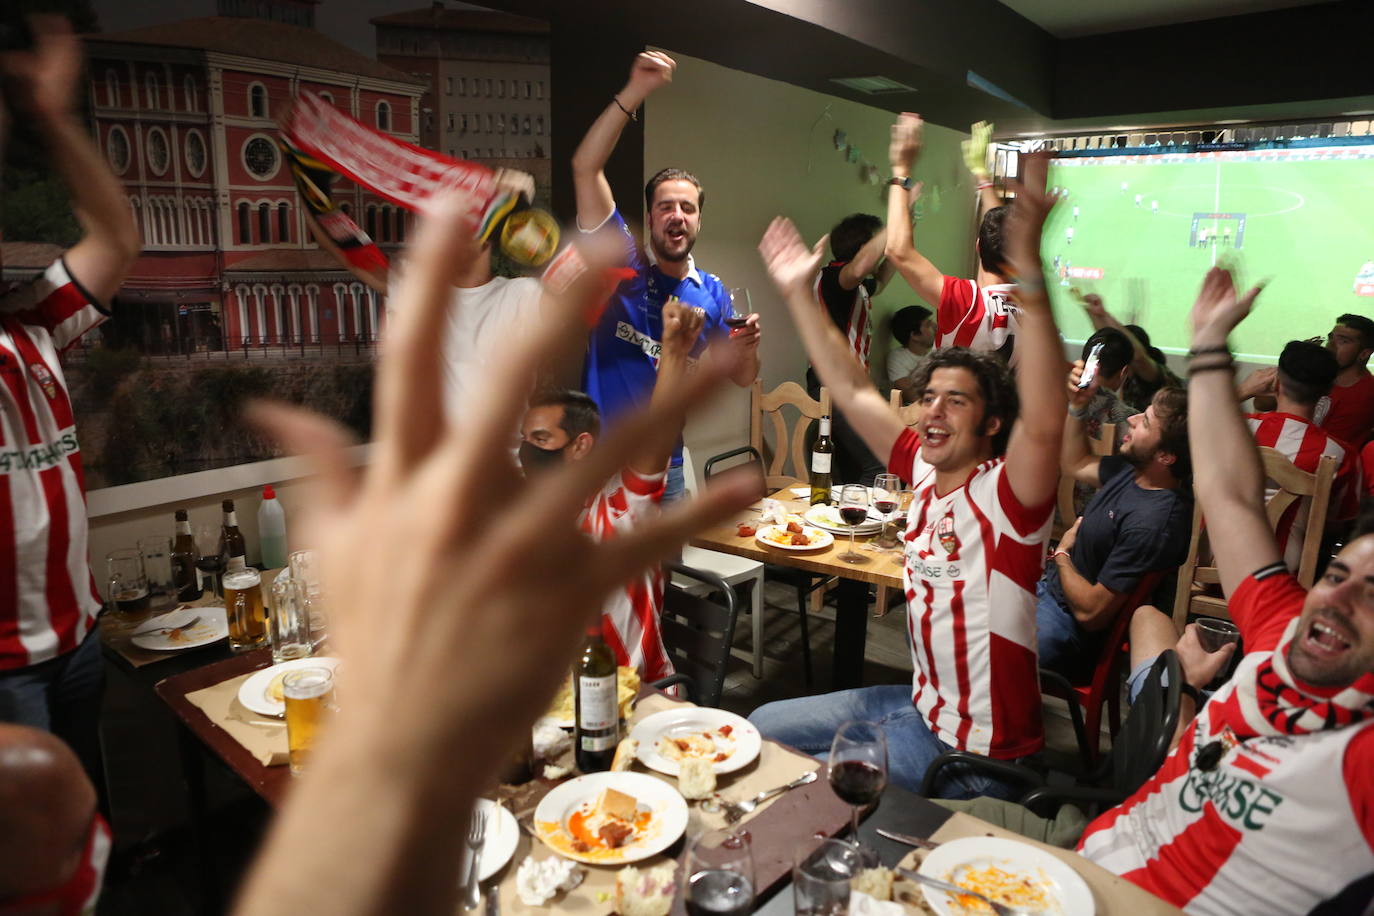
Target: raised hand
(516, 182)
(681, 327)
(44, 80)
(904, 144)
(790, 264)
(975, 149)
(1079, 397)
(1026, 221)
(1217, 309)
(1199, 665)
(1092, 304)
(651, 70)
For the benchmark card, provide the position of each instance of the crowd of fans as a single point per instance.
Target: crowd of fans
(1264, 805)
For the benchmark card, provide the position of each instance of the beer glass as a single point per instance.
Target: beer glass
(243, 605)
(289, 624)
(309, 694)
(305, 570)
(157, 564)
(128, 583)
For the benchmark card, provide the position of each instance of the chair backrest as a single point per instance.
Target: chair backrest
(909, 413)
(1139, 749)
(1110, 659)
(1101, 446)
(698, 630)
(1289, 485)
(752, 459)
(785, 447)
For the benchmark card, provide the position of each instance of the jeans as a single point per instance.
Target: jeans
(674, 485)
(63, 696)
(1064, 646)
(809, 725)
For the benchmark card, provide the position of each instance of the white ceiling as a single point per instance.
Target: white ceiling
(1074, 18)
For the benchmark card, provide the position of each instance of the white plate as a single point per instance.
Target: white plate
(253, 692)
(212, 627)
(743, 743)
(503, 835)
(667, 811)
(818, 538)
(1068, 893)
(827, 518)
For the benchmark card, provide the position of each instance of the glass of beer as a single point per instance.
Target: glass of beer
(128, 589)
(243, 605)
(309, 696)
(290, 623)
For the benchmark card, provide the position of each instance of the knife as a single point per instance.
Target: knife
(908, 840)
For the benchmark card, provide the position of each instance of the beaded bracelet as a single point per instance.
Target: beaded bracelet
(629, 114)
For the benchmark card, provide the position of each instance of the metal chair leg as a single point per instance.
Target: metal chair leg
(803, 592)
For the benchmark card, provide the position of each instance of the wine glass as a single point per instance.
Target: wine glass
(885, 490)
(740, 307)
(209, 560)
(719, 877)
(858, 765)
(853, 511)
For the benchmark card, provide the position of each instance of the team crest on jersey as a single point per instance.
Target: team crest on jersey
(945, 532)
(43, 377)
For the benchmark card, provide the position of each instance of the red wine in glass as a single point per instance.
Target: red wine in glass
(900, 522)
(853, 515)
(884, 506)
(857, 782)
(735, 321)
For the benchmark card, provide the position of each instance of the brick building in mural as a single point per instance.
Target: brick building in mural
(185, 114)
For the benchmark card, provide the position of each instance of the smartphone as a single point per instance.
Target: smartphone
(1090, 367)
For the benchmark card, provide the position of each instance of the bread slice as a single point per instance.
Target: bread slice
(625, 755)
(616, 804)
(645, 893)
(696, 778)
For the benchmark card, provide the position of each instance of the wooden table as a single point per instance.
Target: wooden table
(851, 594)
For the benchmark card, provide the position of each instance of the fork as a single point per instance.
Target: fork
(734, 811)
(1001, 909)
(477, 836)
(185, 626)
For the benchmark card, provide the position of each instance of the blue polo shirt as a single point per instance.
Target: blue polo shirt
(622, 353)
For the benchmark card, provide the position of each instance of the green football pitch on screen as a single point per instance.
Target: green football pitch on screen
(1140, 231)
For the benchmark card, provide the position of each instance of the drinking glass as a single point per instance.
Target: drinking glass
(244, 607)
(157, 565)
(886, 488)
(740, 307)
(853, 511)
(1213, 633)
(209, 560)
(821, 876)
(719, 874)
(305, 570)
(288, 624)
(308, 694)
(858, 766)
(128, 583)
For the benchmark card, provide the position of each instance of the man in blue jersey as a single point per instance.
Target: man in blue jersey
(622, 354)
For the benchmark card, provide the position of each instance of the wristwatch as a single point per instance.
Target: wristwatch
(903, 183)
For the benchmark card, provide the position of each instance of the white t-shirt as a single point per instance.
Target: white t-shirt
(901, 362)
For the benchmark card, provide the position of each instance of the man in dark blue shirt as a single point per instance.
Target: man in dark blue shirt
(622, 354)
(1138, 522)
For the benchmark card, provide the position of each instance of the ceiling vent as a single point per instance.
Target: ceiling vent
(873, 85)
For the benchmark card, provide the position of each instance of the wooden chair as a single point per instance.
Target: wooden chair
(785, 447)
(1067, 511)
(1287, 486)
(910, 413)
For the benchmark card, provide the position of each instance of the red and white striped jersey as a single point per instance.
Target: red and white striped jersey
(1279, 825)
(48, 600)
(1367, 468)
(858, 323)
(1304, 444)
(979, 318)
(973, 557)
(629, 621)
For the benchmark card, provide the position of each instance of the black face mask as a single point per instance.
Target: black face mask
(535, 459)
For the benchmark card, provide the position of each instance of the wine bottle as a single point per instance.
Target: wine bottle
(185, 578)
(821, 454)
(596, 704)
(232, 548)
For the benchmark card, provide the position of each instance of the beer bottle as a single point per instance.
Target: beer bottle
(232, 549)
(821, 454)
(596, 704)
(185, 577)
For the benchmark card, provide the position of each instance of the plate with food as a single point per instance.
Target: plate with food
(263, 692)
(183, 628)
(794, 536)
(627, 688)
(668, 738)
(827, 518)
(502, 837)
(611, 818)
(1008, 871)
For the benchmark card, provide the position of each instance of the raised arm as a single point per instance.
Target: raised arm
(1033, 451)
(1227, 475)
(1142, 363)
(975, 150)
(681, 327)
(865, 262)
(45, 84)
(1075, 456)
(924, 277)
(792, 268)
(595, 201)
